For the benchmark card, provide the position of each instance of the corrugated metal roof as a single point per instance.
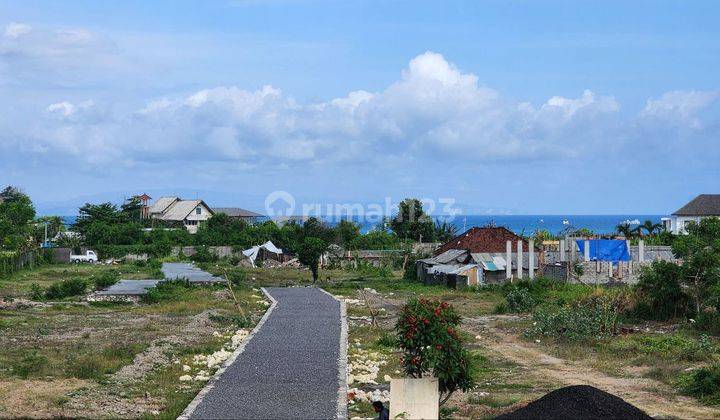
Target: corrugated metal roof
(451, 255)
(498, 260)
(161, 204)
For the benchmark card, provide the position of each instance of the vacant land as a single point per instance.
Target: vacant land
(646, 365)
(72, 358)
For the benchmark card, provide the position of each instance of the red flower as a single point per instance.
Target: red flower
(439, 346)
(426, 321)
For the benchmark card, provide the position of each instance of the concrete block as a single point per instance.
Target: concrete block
(412, 398)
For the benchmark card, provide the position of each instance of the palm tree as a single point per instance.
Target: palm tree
(445, 231)
(649, 227)
(625, 230)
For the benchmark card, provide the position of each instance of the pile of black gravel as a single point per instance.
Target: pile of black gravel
(577, 402)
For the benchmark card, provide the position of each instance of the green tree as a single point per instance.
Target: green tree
(625, 230)
(316, 228)
(346, 232)
(700, 252)
(16, 214)
(648, 228)
(54, 224)
(659, 291)
(444, 231)
(311, 249)
(411, 222)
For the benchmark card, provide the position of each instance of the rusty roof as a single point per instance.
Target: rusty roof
(483, 239)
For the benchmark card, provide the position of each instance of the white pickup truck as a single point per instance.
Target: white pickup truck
(90, 256)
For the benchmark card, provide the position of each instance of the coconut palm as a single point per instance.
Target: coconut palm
(625, 230)
(445, 231)
(649, 227)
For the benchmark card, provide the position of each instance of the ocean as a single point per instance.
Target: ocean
(601, 224)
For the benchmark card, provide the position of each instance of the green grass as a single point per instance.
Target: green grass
(19, 284)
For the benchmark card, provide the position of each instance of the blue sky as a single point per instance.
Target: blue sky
(506, 106)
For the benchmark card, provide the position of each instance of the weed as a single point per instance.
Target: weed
(386, 339)
(66, 288)
(106, 279)
(704, 384)
(592, 318)
(36, 292)
(171, 290)
(31, 364)
(519, 300)
(235, 320)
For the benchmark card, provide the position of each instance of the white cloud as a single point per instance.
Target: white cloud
(680, 106)
(435, 112)
(14, 30)
(64, 108)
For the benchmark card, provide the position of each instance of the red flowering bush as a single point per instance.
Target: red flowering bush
(428, 336)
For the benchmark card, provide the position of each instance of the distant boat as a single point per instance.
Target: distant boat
(566, 222)
(632, 222)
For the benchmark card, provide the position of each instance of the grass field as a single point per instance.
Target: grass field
(72, 358)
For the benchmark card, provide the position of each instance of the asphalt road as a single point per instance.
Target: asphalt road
(289, 369)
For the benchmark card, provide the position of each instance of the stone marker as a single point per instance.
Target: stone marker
(414, 398)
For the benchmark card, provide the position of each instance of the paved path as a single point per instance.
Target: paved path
(289, 368)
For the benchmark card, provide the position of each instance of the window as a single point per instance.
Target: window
(198, 210)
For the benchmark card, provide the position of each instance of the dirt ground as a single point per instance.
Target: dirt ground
(654, 397)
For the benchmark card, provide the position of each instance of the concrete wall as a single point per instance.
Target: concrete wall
(220, 251)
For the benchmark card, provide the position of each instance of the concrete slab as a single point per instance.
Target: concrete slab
(188, 271)
(129, 288)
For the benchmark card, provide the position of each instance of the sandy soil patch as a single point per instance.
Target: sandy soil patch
(654, 397)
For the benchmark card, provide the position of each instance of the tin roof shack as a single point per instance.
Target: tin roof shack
(483, 255)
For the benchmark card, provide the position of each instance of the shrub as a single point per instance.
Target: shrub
(106, 279)
(708, 321)
(170, 290)
(428, 336)
(203, 255)
(595, 317)
(155, 268)
(66, 288)
(705, 384)
(519, 300)
(659, 292)
(36, 292)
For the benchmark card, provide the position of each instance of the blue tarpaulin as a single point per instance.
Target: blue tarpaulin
(606, 249)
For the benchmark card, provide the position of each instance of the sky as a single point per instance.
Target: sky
(502, 107)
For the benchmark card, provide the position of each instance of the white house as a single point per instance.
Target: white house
(702, 206)
(190, 212)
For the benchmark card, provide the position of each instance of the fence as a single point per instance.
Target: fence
(11, 262)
